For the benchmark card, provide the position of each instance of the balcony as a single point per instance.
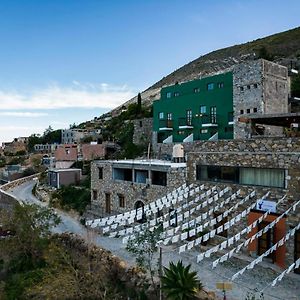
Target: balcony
(230, 118)
(165, 125)
(209, 121)
(185, 123)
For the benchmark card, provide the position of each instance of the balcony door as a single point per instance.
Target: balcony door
(265, 241)
(213, 114)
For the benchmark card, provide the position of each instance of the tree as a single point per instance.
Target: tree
(179, 283)
(144, 246)
(139, 103)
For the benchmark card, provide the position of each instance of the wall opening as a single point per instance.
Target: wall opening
(159, 178)
(122, 174)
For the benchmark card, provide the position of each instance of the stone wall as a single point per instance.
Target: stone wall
(142, 131)
(8, 201)
(131, 191)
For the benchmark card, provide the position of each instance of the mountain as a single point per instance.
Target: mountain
(283, 48)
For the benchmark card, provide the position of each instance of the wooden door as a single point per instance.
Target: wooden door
(107, 203)
(265, 241)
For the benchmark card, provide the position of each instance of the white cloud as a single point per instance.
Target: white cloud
(79, 95)
(22, 114)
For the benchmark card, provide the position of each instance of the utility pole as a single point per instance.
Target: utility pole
(160, 273)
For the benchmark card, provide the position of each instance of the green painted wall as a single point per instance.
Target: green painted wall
(186, 96)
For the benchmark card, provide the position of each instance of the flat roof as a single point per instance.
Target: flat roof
(64, 170)
(145, 162)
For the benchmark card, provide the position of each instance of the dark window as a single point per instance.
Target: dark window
(197, 90)
(121, 200)
(248, 110)
(218, 173)
(255, 85)
(228, 129)
(254, 109)
(242, 175)
(122, 174)
(176, 94)
(242, 111)
(100, 173)
(221, 85)
(159, 178)
(241, 88)
(94, 195)
(169, 94)
(210, 86)
(248, 87)
(141, 124)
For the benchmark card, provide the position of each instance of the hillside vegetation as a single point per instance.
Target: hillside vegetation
(283, 48)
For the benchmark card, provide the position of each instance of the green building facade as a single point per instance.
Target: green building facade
(196, 110)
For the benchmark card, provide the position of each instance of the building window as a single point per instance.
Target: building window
(100, 173)
(181, 132)
(159, 178)
(189, 117)
(161, 115)
(94, 194)
(241, 111)
(228, 129)
(121, 200)
(203, 131)
(141, 124)
(197, 90)
(248, 87)
(248, 110)
(213, 114)
(210, 86)
(176, 94)
(241, 88)
(169, 94)
(242, 175)
(221, 85)
(255, 110)
(255, 85)
(202, 109)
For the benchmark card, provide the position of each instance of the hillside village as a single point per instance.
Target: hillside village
(210, 154)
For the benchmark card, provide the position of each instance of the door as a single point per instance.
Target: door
(265, 242)
(213, 114)
(297, 248)
(107, 203)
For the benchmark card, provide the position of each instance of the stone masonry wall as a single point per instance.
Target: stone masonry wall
(259, 86)
(142, 131)
(132, 192)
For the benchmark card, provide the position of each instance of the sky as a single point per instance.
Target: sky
(68, 61)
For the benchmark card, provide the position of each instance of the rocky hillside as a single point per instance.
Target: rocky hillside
(283, 48)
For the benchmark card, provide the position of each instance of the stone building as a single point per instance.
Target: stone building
(142, 131)
(267, 164)
(259, 87)
(118, 186)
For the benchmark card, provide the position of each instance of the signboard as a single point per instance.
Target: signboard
(224, 286)
(266, 205)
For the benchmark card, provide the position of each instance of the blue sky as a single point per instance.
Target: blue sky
(66, 61)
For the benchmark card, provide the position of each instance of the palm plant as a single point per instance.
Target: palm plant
(179, 283)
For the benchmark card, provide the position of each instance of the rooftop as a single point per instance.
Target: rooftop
(145, 162)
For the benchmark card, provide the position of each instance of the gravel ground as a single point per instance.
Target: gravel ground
(255, 279)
